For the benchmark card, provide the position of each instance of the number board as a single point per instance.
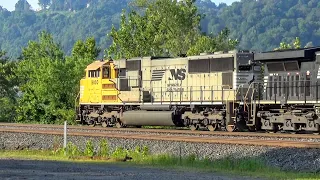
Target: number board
(94, 82)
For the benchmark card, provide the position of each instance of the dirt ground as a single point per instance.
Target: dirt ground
(40, 170)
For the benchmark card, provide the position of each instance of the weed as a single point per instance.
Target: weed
(145, 151)
(119, 153)
(72, 150)
(56, 145)
(89, 151)
(103, 148)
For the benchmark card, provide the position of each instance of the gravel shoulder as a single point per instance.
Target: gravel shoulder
(38, 170)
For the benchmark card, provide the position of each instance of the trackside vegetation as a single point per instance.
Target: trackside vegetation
(140, 156)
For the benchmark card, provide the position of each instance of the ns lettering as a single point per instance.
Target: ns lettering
(178, 74)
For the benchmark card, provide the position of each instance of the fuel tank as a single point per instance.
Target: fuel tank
(150, 118)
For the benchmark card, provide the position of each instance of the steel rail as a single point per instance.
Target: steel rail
(210, 140)
(172, 131)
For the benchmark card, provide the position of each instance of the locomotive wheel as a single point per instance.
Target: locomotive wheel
(104, 124)
(193, 127)
(92, 123)
(252, 128)
(275, 128)
(231, 128)
(212, 127)
(119, 125)
(318, 129)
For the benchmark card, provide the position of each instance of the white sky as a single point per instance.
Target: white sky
(9, 4)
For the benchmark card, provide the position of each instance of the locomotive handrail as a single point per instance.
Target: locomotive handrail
(245, 98)
(254, 101)
(235, 95)
(191, 89)
(75, 101)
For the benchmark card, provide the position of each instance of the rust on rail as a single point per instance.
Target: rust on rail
(252, 142)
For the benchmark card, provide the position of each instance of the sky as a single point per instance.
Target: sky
(9, 4)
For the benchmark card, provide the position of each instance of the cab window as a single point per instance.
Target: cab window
(245, 68)
(106, 72)
(94, 73)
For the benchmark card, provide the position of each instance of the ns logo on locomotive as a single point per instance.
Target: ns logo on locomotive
(232, 91)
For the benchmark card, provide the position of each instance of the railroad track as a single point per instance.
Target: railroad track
(163, 131)
(256, 139)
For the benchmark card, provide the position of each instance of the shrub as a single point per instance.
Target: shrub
(119, 153)
(72, 150)
(103, 148)
(89, 151)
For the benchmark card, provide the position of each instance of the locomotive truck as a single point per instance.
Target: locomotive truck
(232, 91)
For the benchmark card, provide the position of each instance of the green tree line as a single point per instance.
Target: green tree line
(257, 25)
(43, 83)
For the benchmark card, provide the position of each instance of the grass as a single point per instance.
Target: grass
(245, 167)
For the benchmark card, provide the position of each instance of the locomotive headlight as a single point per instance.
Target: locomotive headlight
(308, 73)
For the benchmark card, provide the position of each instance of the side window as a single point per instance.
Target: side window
(91, 73)
(106, 72)
(94, 73)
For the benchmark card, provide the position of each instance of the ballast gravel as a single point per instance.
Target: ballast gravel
(294, 159)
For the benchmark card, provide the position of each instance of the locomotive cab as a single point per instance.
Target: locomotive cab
(97, 86)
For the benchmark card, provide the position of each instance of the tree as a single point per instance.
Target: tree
(58, 5)
(8, 79)
(295, 45)
(42, 81)
(44, 3)
(86, 49)
(165, 27)
(49, 80)
(8, 90)
(22, 5)
(76, 4)
(211, 43)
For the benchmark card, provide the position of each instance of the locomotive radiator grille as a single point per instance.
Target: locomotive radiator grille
(157, 75)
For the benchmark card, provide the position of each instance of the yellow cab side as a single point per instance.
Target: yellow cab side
(97, 87)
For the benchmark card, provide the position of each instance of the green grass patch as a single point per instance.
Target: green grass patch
(140, 157)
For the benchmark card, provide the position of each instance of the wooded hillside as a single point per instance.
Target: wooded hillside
(258, 25)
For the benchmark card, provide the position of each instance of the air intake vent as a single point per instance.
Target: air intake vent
(227, 79)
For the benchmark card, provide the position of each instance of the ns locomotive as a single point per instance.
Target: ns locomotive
(231, 91)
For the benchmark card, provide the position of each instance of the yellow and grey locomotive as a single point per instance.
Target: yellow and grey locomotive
(202, 91)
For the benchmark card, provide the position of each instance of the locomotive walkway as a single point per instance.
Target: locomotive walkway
(239, 138)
